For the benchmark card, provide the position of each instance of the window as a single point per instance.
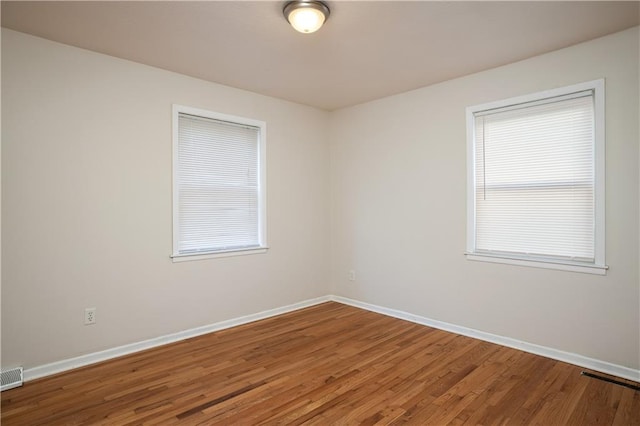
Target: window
(218, 185)
(536, 180)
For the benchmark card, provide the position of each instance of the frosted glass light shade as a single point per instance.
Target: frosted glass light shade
(306, 16)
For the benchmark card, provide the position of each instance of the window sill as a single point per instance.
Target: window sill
(557, 265)
(213, 255)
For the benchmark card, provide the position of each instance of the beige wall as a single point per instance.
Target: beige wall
(398, 211)
(86, 207)
(86, 178)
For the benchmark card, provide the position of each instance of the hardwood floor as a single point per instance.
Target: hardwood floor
(330, 364)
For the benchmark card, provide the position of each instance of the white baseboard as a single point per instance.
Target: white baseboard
(568, 357)
(92, 358)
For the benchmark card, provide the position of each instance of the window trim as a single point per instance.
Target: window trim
(599, 266)
(262, 182)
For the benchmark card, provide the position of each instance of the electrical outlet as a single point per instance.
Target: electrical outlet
(89, 316)
(352, 275)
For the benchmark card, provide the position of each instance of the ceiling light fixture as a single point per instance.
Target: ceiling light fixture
(306, 16)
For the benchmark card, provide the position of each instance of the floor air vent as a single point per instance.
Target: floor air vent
(11, 378)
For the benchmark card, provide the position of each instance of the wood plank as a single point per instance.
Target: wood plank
(327, 364)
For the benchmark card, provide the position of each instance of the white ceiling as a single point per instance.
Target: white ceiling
(367, 49)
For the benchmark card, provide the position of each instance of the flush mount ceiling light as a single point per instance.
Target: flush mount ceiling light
(306, 16)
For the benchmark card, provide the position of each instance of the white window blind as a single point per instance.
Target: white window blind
(217, 186)
(534, 180)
